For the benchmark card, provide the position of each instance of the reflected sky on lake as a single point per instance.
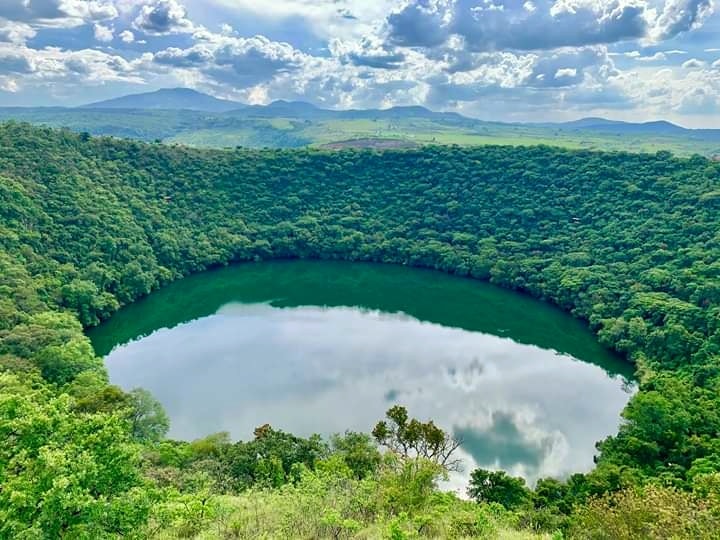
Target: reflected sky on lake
(528, 410)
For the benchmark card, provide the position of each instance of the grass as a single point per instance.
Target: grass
(200, 129)
(279, 132)
(272, 514)
(283, 124)
(400, 501)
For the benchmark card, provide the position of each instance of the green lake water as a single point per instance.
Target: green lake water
(320, 347)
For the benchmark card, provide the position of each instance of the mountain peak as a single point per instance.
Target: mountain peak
(284, 104)
(618, 126)
(177, 91)
(169, 98)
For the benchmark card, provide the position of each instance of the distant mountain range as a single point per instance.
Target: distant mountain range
(177, 99)
(603, 124)
(168, 99)
(187, 99)
(185, 116)
(657, 127)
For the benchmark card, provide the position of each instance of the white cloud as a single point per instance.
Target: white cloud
(566, 72)
(693, 63)
(543, 24)
(15, 62)
(86, 66)
(57, 13)
(679, 16)
(15, 32)
(367, 52)
(326, 18)
(701, 100)
(657, 57)
(569, 67)
(102, 33)
(126, 36)
(163, 17)
(9, 85)
(238, 62)
(549, 24)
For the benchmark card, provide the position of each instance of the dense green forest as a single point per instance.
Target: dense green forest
(629, 243)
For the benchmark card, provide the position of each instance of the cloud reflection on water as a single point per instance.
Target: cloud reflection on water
(518, 407)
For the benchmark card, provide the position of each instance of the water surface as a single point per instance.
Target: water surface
(327, 346)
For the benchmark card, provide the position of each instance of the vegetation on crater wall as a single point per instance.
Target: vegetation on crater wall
(629, 243)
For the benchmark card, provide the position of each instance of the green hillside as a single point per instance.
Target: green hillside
(288, 125)
(627, 242)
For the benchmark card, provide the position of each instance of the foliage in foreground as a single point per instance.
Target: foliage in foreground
(649, 512)
(64, 473)
(399, 502)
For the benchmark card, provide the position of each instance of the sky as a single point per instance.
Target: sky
(508, 60)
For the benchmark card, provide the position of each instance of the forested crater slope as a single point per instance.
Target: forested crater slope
(628, 242)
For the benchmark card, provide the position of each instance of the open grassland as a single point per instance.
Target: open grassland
(213, 130)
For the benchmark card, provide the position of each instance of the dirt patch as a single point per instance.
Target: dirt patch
(378, 144)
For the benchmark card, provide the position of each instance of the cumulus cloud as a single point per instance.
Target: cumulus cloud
(699, 101)
(15, 63)
(368, 53)
(184, 58)
(598, 96)
(349, 19)
(504, 84)
(380, 60)
(241, 62)
(85, 66)
(9, 85)
(693, 64)
(62, 13)
(163, 17)
(510, 24)
(657, 57)
(420, 23)
(102, 33)
(680, 16)
(15, 32)
(567, 68)
(491, 25)
(126, 36)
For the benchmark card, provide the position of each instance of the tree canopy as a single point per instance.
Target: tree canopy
(627, 242)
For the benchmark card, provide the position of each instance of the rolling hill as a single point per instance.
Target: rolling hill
(183, 116)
